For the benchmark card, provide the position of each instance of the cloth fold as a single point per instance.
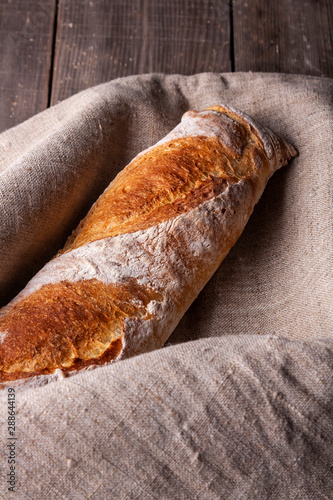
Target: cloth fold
(239, 417)
(239, 404)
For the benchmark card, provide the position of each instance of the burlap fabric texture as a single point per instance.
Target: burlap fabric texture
(239, 405)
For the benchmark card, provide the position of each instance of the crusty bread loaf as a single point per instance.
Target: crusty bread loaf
(144, 251)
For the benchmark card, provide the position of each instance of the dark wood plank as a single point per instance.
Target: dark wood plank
(103, 39)
(26, 37)
(283, 36)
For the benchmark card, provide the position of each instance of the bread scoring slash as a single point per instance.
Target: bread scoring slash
(144, 251)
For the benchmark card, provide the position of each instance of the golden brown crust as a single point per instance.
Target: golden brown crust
(168, 180)
(93, 310)
(69, 325)
(74, 323)
(110, 354)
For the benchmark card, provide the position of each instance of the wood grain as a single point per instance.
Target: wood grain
(283, 36)
(100, 40)
(26, 37)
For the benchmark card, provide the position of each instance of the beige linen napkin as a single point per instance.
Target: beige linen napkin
(240, 403)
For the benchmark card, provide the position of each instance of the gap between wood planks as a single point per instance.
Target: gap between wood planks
(96, 41)
(243, 35)
(54, 38)
(232, 46)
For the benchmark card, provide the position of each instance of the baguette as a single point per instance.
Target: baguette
(144, 251)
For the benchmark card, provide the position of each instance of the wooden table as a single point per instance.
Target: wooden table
(51, 49)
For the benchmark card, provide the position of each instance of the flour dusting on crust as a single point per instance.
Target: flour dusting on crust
(170, 261)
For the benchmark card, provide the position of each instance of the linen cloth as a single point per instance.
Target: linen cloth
(239, 405)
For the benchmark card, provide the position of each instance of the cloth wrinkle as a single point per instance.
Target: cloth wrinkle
(239, 403)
